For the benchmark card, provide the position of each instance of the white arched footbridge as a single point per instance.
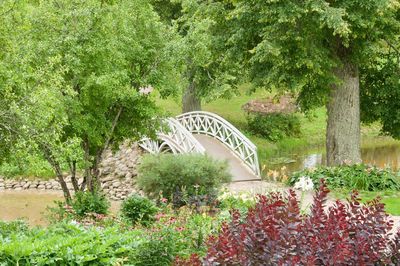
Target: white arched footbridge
(205, 132)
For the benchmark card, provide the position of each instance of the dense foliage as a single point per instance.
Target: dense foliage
(79, 74)
(384, 69)
(359, 176)
(275, 232)
(186, 179)
(107, 241)
(274, 126)
(328, 53)
(88, 202)
(296, 45)
(138, 209)
(7, 228)
(208, 71)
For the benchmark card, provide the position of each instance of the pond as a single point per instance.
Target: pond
(387, 155)
(31, 205)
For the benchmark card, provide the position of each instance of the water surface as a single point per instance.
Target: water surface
(379, 155)
(31, 205)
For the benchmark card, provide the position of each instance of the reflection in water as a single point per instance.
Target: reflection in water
(384, 156)
(312, 160)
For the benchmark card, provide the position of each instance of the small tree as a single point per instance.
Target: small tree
(87, 67)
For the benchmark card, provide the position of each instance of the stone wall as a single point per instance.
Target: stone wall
(118, 171)
(23, 184)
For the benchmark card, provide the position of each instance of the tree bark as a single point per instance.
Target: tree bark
(343, 123)
(72, 169)
(87, 179)
(190, 100)
(57, 169)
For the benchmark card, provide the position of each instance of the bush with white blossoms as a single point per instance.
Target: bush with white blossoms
(304, 184)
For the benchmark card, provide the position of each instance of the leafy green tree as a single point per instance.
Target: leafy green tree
(86, 69)
(380, 82)
(7, 29)
(208, 71)
(320, 49)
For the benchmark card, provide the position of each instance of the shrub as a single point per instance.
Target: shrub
(137, 209)
(359, 176)
(239, 201)
(88, 202)
(8, 228)
(71, 244)
(175, 233)
(186, 178)
(276, 233)
(274, 126)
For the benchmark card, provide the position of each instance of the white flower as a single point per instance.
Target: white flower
(73, 222)
(145, 90)
(304, 184)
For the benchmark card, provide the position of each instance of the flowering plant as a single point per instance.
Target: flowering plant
(304, 184)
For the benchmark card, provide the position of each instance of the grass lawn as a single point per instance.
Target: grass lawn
(391, 199)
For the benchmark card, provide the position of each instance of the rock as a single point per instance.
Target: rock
(116, 184)
(41, 187)
(26, 185)
(128, 175)
(18, 188)
(108, 178)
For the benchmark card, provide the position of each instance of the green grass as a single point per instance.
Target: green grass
(391, 199)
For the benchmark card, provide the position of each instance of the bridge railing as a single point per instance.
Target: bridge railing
(200, 122)
(172, 137)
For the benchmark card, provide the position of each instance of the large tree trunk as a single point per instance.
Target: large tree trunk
(343, 125)
(190, 100)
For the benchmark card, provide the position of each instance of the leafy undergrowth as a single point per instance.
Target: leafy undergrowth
(275, 232)
(106, 240)
(240, 230)
(358, 176)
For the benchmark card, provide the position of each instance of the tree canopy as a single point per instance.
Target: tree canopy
(208, 71)
(83, 70)
(322, 51)
(295, 45)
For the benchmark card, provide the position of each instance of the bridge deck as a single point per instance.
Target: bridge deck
(217, 150)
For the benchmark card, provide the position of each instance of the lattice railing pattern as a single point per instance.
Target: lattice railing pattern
(172, 137)
(207, 123)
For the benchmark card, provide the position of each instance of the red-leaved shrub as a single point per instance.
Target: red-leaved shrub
(275, 232)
